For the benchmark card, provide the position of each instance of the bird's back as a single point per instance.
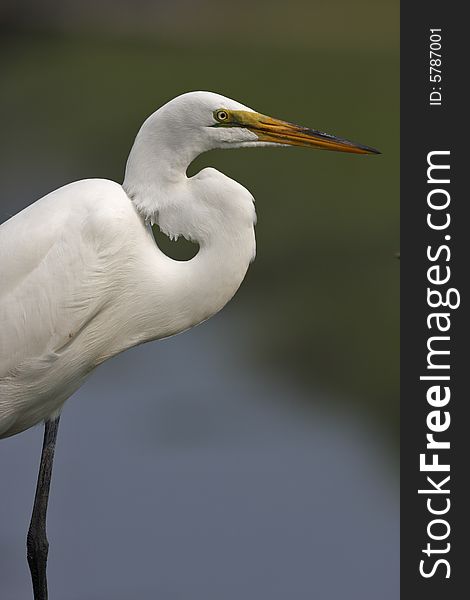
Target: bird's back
(56, 277)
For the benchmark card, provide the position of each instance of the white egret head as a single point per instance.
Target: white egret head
(199, 121)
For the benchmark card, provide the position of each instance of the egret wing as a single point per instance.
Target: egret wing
(52, 255)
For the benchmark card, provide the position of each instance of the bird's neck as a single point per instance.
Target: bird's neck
(203, 286)
(150, 178)
(180, 294)
(210, 209)
(157, 163)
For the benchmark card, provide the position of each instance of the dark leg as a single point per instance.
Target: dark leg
(37, 543)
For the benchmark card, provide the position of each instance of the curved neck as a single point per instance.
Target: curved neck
(181, 294)
(156, 162)
(210, 209)
(211, 278)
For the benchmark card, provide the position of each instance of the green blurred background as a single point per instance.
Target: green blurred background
(318, 314)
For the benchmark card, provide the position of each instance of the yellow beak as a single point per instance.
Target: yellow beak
(281, 132)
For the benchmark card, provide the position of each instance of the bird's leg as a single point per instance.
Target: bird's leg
(37, 543)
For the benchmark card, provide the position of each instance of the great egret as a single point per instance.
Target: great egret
(82, 278)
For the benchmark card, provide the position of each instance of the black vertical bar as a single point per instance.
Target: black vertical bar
(425, 128)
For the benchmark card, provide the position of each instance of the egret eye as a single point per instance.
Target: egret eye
(221, 115)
